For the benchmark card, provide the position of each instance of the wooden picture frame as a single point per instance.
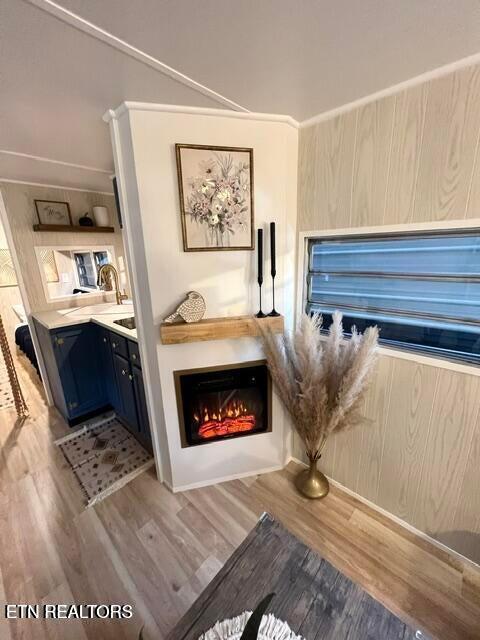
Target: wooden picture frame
(53, 212)
(215, 187)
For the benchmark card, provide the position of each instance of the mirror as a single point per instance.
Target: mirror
(72, 271)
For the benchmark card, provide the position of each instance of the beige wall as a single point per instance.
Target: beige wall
(407, 158)
(19, 203)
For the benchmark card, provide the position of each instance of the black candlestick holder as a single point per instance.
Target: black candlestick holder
(273, 268)
(260, 313)
(273, 313)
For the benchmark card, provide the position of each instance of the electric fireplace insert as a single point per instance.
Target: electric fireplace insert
(220, 403)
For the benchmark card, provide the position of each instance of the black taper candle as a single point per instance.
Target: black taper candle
(273, 267)
(273, 262)
(260, 313)
(260, 256)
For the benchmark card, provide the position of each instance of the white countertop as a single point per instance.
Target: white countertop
(102, 314)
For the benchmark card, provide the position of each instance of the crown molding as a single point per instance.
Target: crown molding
(439, 72)
(54, 186)
(125, 107)
(72, 165)
(76, 21)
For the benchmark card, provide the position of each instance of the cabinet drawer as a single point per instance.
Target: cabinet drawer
(134, 353)
(118, 344)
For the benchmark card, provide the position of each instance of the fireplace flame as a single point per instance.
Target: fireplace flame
(224, 421)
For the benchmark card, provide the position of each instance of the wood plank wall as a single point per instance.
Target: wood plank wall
(19, 202)
(412, 157)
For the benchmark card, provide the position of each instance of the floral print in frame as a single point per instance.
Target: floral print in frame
(216, 197)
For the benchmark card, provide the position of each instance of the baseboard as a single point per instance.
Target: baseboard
(214, 481)
(396, 519)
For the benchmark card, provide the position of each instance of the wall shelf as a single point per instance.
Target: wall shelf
(71, 228)
(217, 329)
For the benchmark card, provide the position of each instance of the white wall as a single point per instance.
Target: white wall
(145, 161)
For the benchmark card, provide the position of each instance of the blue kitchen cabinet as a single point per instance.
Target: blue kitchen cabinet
(142, 415)
(108, 369)
(132, 408)
(127, 409)
(92, 369)
(80, 369)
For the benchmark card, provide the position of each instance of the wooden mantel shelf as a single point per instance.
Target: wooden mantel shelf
(217, 329)
(71, 228)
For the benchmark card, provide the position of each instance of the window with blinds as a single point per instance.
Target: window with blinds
(421, 290)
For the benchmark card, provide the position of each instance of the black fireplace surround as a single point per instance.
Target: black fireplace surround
(221, 403)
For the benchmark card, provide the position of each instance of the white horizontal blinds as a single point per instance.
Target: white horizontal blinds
(446, 254)
(424, 280)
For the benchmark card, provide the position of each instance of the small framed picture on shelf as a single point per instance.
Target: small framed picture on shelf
(216, 197)
(52, 212)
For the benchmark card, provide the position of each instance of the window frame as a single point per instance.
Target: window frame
(459, 228)
(91, 253)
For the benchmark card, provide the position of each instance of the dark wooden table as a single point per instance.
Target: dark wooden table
(317, 601)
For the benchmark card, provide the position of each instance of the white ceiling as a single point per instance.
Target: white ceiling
(297, 57)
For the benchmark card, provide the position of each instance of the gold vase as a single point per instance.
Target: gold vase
(311, 482)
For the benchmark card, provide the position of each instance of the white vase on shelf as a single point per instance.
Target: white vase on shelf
(101, 216)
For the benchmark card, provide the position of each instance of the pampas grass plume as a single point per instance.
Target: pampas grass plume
(321, 379)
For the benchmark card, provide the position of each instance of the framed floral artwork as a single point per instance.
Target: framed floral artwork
(216, 197)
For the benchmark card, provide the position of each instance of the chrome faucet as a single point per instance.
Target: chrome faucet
(106, 273)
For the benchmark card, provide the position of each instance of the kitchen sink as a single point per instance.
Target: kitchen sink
(128, 323)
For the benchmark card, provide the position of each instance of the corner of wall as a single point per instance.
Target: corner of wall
(120, 131)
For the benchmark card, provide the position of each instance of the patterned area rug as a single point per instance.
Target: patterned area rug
(104, 456)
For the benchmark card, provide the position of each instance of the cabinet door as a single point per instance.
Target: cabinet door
(79, 369)
(50, 361)
(108, 368)
(126, 409)
(142, 414)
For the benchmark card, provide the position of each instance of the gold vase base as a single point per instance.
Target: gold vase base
(311, 483)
